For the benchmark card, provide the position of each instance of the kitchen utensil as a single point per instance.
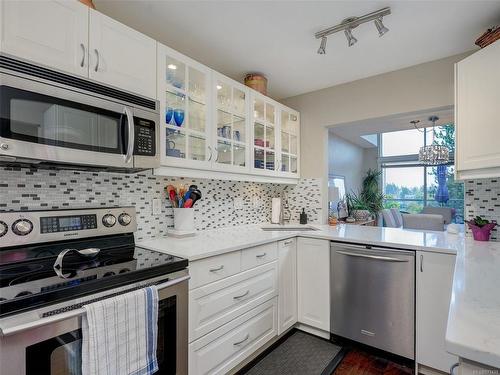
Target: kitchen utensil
(193, 187)
(195, 196)
(188, 203)
(186, 195)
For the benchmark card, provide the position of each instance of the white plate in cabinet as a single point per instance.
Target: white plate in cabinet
(215, 304)
(258, 255)
(223, 349)
(211, 269)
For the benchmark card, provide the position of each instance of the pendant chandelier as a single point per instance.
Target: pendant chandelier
(432, 154)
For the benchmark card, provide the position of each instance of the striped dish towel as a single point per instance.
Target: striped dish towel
(119, 334)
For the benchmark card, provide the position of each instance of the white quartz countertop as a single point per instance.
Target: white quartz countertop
(219, 241)
(474, 319)
(473, 330)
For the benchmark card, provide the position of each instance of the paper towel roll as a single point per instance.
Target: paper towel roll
(276, 208)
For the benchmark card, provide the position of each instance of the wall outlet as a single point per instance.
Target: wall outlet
(156, 206)
(238, 203)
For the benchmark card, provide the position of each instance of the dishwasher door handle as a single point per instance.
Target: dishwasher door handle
(377, 257)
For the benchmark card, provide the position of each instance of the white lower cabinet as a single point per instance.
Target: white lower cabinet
(224, 348)
(287, 267)
(313, 282)
(434, 278)
(215, 304)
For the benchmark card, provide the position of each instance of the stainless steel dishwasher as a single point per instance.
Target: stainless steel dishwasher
(373, 296)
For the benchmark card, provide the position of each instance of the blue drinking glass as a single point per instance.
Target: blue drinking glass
(179, 117)
(169, 114)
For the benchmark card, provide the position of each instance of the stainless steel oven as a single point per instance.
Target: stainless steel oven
(51, 344)
(50, 118)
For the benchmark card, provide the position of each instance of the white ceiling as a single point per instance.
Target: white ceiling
(353, 131)
(276, 37)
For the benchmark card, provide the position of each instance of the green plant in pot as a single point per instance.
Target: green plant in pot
(369, 201)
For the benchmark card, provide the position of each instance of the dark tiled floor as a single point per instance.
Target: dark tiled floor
(358, 362)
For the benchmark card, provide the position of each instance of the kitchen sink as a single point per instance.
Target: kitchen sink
(288, 227)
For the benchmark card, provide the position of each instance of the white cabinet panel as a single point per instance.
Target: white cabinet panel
(256, 256)
(434, 276)
(120, 56)
(215, 304)
(211, 269)
(287, 301)
(222, 349)
(477, 114)
(313, 281)
(52, 33)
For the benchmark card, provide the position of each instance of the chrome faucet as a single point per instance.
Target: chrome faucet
(284, 209)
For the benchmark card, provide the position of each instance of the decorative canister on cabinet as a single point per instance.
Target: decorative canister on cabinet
(257, 82)
(88, 3)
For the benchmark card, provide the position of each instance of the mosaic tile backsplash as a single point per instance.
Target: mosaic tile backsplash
(29, 189)
(482, 198)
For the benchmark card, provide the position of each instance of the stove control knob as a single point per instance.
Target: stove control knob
(124, 219)
(109, 220)
(3, 229)
(22, 227)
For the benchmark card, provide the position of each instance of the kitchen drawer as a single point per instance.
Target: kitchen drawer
(215, 304)
(211, 269)
(223, 349)
(256, 256)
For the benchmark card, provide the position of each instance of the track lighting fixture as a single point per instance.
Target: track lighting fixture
(322, 46)
(350, 23)
(380, 27)
(351, 40)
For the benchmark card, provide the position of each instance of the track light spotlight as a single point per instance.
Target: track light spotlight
(351, 40)
(322, 46)
(380, 27)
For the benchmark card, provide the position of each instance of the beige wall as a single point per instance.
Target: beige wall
(420, 87)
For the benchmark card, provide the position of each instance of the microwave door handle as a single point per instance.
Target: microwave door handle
(131, 135)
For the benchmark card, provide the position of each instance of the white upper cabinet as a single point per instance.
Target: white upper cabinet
(121, 56)
(231, 116)
(185, 102)
(50, 33)
(264, 135)
(477, 114)
(289, 142)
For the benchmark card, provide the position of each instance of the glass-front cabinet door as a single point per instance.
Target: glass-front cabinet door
(289, 145)
(184, 94)
(230, 150)
(265, 130)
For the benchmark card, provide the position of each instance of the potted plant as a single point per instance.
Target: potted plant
(369, 201)
(481, 228)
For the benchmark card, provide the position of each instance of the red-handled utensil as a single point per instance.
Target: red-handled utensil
(188, 203)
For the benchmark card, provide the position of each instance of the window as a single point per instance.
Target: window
(410, 186)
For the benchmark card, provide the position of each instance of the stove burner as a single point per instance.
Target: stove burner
(22, 294)
(17, 269)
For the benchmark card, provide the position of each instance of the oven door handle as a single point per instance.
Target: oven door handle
(131, 135)
(40, 322)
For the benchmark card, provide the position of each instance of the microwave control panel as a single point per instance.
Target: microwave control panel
(145, 139)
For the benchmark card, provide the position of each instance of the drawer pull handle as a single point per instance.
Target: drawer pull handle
(216, 269)
(452, 369)
(242, 341)
(286, 243)
(261, 255)
(243, 295)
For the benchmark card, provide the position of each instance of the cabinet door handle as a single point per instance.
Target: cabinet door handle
(286, 243)
(97, 63)
(242, 341)
(210, 153)
(242, 295)
(421, 263)
(82, 63)
(217, 269)
(453, 367)
(261, 255)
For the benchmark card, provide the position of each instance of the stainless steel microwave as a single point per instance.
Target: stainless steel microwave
(49, 118)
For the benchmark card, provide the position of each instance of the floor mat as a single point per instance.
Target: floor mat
(300, 354)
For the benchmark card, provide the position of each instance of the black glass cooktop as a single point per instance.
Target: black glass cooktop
(28, 280)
